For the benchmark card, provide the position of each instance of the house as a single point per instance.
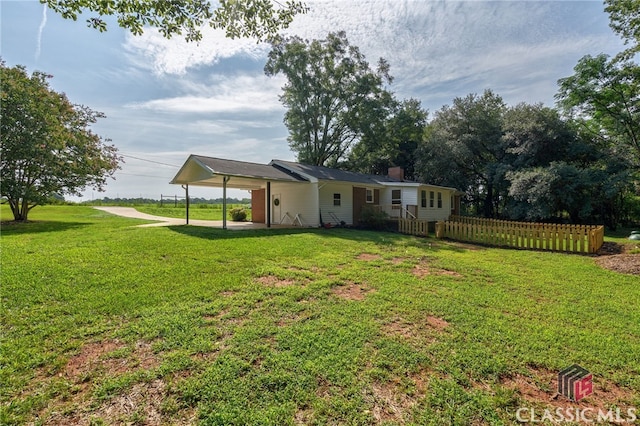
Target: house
(285, 192)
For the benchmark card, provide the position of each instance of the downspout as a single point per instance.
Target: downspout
(268, 204)
(186, 190)
(225, 179)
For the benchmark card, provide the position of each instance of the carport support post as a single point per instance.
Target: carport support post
(268, 204)
(225, 179)
(186, 195)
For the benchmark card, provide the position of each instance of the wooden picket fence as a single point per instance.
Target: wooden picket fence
(525, 235)
(413, 227)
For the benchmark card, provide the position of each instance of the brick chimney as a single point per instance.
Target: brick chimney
(396, 173)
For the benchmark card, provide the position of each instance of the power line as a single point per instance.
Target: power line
(132, 174)
(149, 161)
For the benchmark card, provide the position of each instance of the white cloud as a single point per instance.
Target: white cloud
(234, 94)
(426, 42)
(175, 56)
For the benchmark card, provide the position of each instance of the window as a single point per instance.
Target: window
(431, 198)
(452, 203)
(423, 199)
(396, 196)
(439, 200)
(369, 195)
(336, 199)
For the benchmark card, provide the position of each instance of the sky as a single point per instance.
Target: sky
(167, 99)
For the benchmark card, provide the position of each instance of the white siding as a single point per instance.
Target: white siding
(296, 199)
(409, 196)
(434, 213)
(343, 212)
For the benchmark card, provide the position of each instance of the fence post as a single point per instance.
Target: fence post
(440, 229)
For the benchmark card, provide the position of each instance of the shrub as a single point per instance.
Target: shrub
(371, 218)
(238, 214)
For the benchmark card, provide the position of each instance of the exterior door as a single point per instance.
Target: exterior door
(258, 206)
(276, 208)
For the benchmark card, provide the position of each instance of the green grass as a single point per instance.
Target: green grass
(196, 212)
(296, 326)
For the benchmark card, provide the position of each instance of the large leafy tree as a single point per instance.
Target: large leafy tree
(624, 19)
(464, 148)
(522, 162)
(548, 165)
(46, 145)
(262, 19)
(391, 140)
(331, 95)
(604, 97)
(535, 135)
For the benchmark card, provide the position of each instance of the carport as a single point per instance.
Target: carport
(220, 173)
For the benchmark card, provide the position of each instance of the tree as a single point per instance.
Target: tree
(550, 165)
(463, 148)
(586, 192)
(46, 146)
(604, 96)
(522, 162)
(239, 18)
(330, 95)
(535, 136)
(624, 17)
(391, 140)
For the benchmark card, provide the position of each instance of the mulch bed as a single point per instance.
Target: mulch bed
(612, 256)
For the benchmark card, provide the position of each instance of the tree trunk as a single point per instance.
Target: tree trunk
(488, 202)
(19, 210)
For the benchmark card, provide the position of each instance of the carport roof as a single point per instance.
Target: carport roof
(209, 171)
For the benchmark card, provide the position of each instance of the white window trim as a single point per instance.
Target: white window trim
(368, 191)
(399, 200)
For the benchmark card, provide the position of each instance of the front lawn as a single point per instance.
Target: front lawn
(107, 323)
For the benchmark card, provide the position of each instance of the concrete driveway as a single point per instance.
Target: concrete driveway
(170, 221)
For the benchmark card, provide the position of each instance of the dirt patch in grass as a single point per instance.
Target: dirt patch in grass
(92, 356)
(400, 327)
(303, 417)
(449, 273)
(368, 257)
(394, 401)
(410, 330)
(437, 323)
(273, 281)
(351, 291)
(389, 404)
(110, 357)
(142, 403)
(145, 403)
(422, 270)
